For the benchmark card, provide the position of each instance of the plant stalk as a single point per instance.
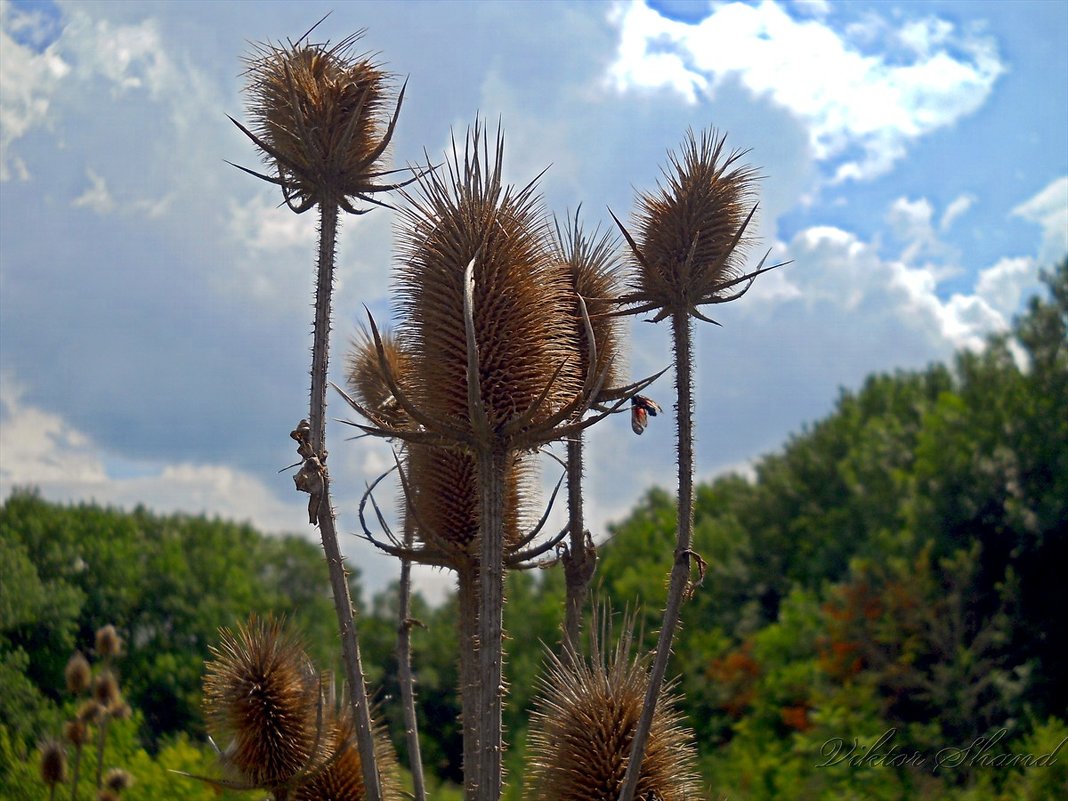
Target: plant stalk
(682, 333)
(467, 598)
(328, 224)
(404, 671)
(492, 461)
(578, 569)
(74, 773)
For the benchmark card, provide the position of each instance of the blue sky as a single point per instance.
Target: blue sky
(155, 303)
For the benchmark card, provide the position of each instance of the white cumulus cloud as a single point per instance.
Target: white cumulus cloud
(864, 94)
(1049, 208)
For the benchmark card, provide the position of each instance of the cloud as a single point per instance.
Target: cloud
(96, 197)
(1049, 208)
(864, 94)
(955, 210)
(27, 80)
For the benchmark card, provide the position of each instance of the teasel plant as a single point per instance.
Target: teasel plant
(280, 723)
(584, 719)
(591, 268)
(321, 120)
(691, 236)
(487, 321)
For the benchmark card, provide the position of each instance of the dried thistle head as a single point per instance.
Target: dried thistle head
(320, 117)
(367, 381)
(583, 725)
(53, 763)
(90, 712)
(692, 232)
(591, 268)
(342, 778)
(261, 696)
(521, 310)
(108, 642)
(78, 674)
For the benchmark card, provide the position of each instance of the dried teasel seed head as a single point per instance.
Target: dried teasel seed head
(76, 732)
(692, 233)
(591, 267)
(261, 696)
(106, 690)
(90, 712)
(523, 330)
(53, 763)
(320, 114)
(118, 780)
(78, 674)
(342, 779)
(108, 642)
(445, 499)
(583, 725)
(120, 710)
(367, 381)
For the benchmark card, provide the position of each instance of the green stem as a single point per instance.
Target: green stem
(682, 332)
(328, 223)
(74, 773)
(100, 744)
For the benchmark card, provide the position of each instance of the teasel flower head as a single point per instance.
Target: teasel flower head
(90, 712)
(78, 674)
(583, 724)
(442, 500)
(53, 763)
(106, 690)
(519, 306)
(261, 696)
(76, 732)
(341, 778)
(370, 383)
(692, 234)
(591, 266)
(118, 780)
(108, 642)
(321, 117)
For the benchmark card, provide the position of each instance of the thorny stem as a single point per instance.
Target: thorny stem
(350, 648)
(404, 670)
(682, 331)
(467, 592)
(492, 462)
(102, 736)
(579, 561)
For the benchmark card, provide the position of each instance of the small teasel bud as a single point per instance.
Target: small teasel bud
(118, 780)
(108, 642)
(366, 379)
(76, 732)
(106, 690)
(78, 674)
(53, 763)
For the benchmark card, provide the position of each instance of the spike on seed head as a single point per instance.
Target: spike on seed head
(320, 116)
(261, 694)
(692, 233)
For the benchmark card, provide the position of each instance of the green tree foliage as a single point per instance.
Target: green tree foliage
(167, 583)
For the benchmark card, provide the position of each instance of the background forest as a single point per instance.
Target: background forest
(892, 577)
